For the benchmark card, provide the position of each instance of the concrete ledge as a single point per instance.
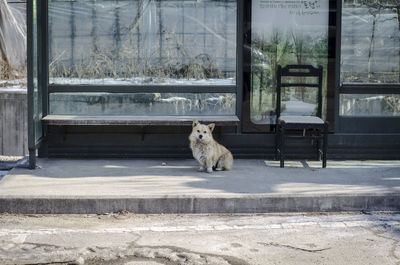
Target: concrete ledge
(197, 205)
(62, 186)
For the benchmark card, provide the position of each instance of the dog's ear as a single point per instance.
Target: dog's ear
(211, 126)
(195, 123)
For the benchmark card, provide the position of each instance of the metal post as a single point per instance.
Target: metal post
(239, 61)
(30, 64)
(337, 126)
(43, 73)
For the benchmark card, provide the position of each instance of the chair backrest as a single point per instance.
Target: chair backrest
(299, 70)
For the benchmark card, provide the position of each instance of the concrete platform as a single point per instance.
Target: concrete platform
(175, 186)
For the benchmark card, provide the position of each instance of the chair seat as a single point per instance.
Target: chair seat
(301, 120)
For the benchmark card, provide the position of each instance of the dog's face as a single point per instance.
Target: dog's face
(201, 132)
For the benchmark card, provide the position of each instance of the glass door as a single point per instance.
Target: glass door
(285, 32)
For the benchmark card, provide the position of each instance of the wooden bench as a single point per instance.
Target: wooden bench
(71, 120)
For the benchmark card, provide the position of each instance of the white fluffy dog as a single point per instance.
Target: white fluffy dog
(208, 152)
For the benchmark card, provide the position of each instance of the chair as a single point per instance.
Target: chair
(314, 125)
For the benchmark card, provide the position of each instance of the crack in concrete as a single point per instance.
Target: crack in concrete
(168, 255)
(44, 249)
(392, 251)
(182, 251)
(273, 244)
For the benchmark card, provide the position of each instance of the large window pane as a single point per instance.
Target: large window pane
(286, 32)
(143, 42)
(369, 105)
(370, 41)
(142, 104)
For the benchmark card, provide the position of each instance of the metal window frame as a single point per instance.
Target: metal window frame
(141, 89)
(248, 125)
(40, 147)
(30, 94)
(36, 141)
(347, 88)
(360, 124)
(55, 88)
(260, 144)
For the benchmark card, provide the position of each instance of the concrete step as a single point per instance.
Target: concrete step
(199, 205)
(62, 186)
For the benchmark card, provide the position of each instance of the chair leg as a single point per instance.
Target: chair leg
(325, 146)
(277, 143)
(282, 147)
(319, 150)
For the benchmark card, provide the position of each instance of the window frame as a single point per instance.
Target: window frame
(361, 124)
(247, 125)
(199, 89)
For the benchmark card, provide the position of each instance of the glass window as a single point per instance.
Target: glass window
(370, 41)
(370, 105)
(286, 32)
(142, 104)
(142, 42)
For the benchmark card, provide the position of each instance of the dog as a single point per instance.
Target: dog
(208, 152)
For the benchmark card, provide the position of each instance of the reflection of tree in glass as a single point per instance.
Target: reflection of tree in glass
(157, 42)
(282, 47)
(12, 42)
(376, 9)
(271, 51)
(302, 50)
(105, 64)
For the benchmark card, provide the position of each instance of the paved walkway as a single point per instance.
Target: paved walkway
(255, 180)
(255, 239)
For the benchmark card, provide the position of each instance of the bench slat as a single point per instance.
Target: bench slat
(138, 120)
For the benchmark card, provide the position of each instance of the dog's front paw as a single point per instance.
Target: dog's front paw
(209, 170)
(200, 169)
